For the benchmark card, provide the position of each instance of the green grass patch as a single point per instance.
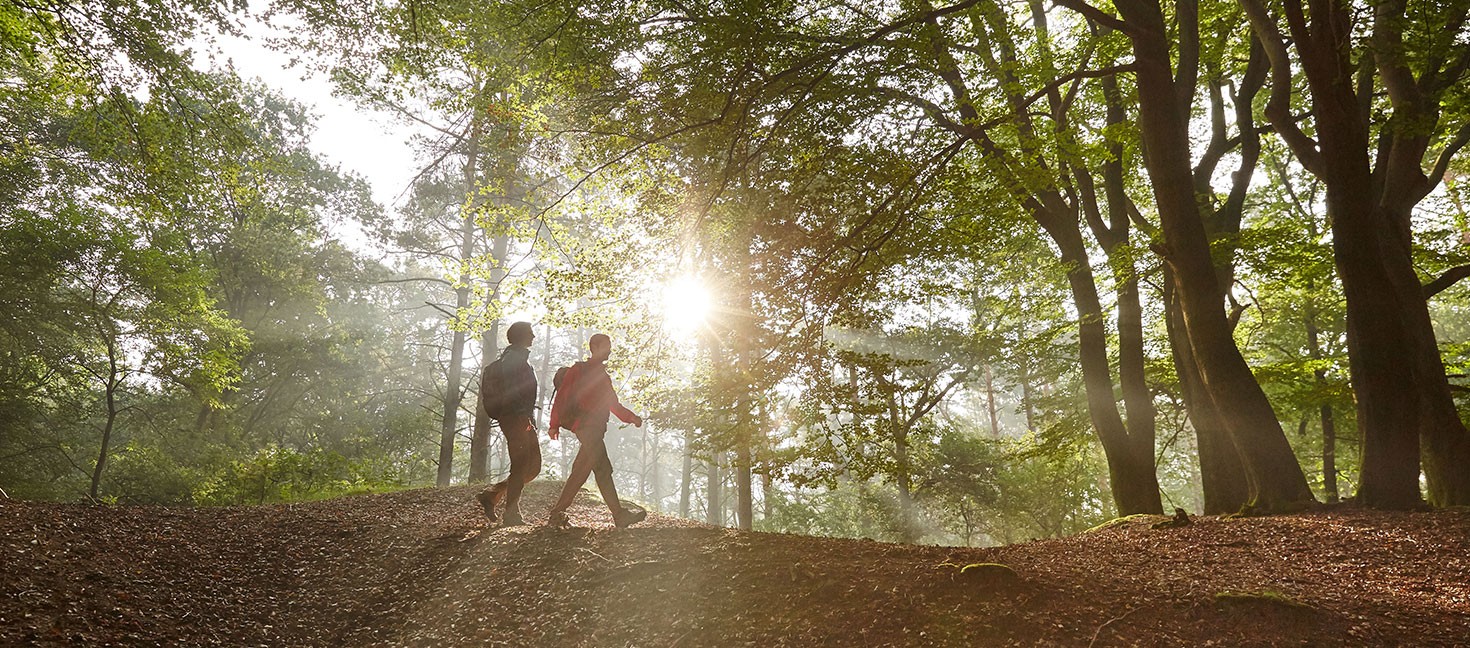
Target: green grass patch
(1117, 522)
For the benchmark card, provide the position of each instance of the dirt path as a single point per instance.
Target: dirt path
(420, 568)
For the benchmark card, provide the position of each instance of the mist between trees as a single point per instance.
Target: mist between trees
(975, 273)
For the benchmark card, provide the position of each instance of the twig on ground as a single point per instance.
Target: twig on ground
(1109, 622)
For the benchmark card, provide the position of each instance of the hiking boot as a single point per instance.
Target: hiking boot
(489, 498)
(629, 517)
(513, 517)
(558, 519)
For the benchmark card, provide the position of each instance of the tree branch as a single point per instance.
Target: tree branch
(1098, 16)
(1442, 163)
(1445, 280)
(1278, 106)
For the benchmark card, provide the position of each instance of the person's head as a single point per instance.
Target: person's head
(520, 334)
(601, 346)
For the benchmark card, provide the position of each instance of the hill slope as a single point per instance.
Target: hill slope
(420, 568)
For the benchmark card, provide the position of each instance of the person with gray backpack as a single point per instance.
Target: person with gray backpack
(508, 394)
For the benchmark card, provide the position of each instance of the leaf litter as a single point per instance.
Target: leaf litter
(423, 568)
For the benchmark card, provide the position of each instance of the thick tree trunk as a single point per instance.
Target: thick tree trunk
(1389, 407)
(1274, 475)
(1138, 400)
(1373, 273)
(1444, 440)
(1401, 404)
(1222, 478)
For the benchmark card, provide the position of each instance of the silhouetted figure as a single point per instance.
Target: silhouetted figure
(582, 404)
(508, 394)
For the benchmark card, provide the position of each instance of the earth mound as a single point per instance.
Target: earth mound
(423, 568)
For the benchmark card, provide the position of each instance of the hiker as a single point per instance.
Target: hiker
(582, 404)
(508, 394)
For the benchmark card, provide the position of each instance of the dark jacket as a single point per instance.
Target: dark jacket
(518, 381)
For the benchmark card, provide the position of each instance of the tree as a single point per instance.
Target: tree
(1165, 102)
(1373, 182)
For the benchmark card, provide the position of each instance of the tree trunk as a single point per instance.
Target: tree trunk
(1401, 405)
(449, 423)
(480, 435)
(1275, 477)
(1131, 473)
(744, 498)
(1329, 454)
(1138, 400)
(489, 350)
(480, 441)
(766, 500)
(686, 474)
(543, 380)
(714, 507)
(1026, 394)
(656, 478)
(1373, 274)
(990, 402)
(1329, 429)
(1222, 478)
(111, 393)
(1133, 482)
(907, 517)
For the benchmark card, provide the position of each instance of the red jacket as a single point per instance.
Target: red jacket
(588, 385)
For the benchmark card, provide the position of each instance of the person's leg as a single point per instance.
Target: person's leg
(603, 470)
(622, 517)
(525, 463)
(492, 496)
(533, 454)
(589, 450)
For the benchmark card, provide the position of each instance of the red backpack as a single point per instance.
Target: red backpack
(572, 410)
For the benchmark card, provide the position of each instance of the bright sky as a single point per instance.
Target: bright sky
(375, 145)
(370, 144)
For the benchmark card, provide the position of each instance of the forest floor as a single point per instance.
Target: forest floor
(423, 568)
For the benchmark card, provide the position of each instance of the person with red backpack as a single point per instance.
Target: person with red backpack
(583, 401)
(508, 394)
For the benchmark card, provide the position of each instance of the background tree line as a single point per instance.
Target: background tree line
(983, 271)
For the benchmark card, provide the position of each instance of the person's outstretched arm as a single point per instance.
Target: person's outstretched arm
(626, 415)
